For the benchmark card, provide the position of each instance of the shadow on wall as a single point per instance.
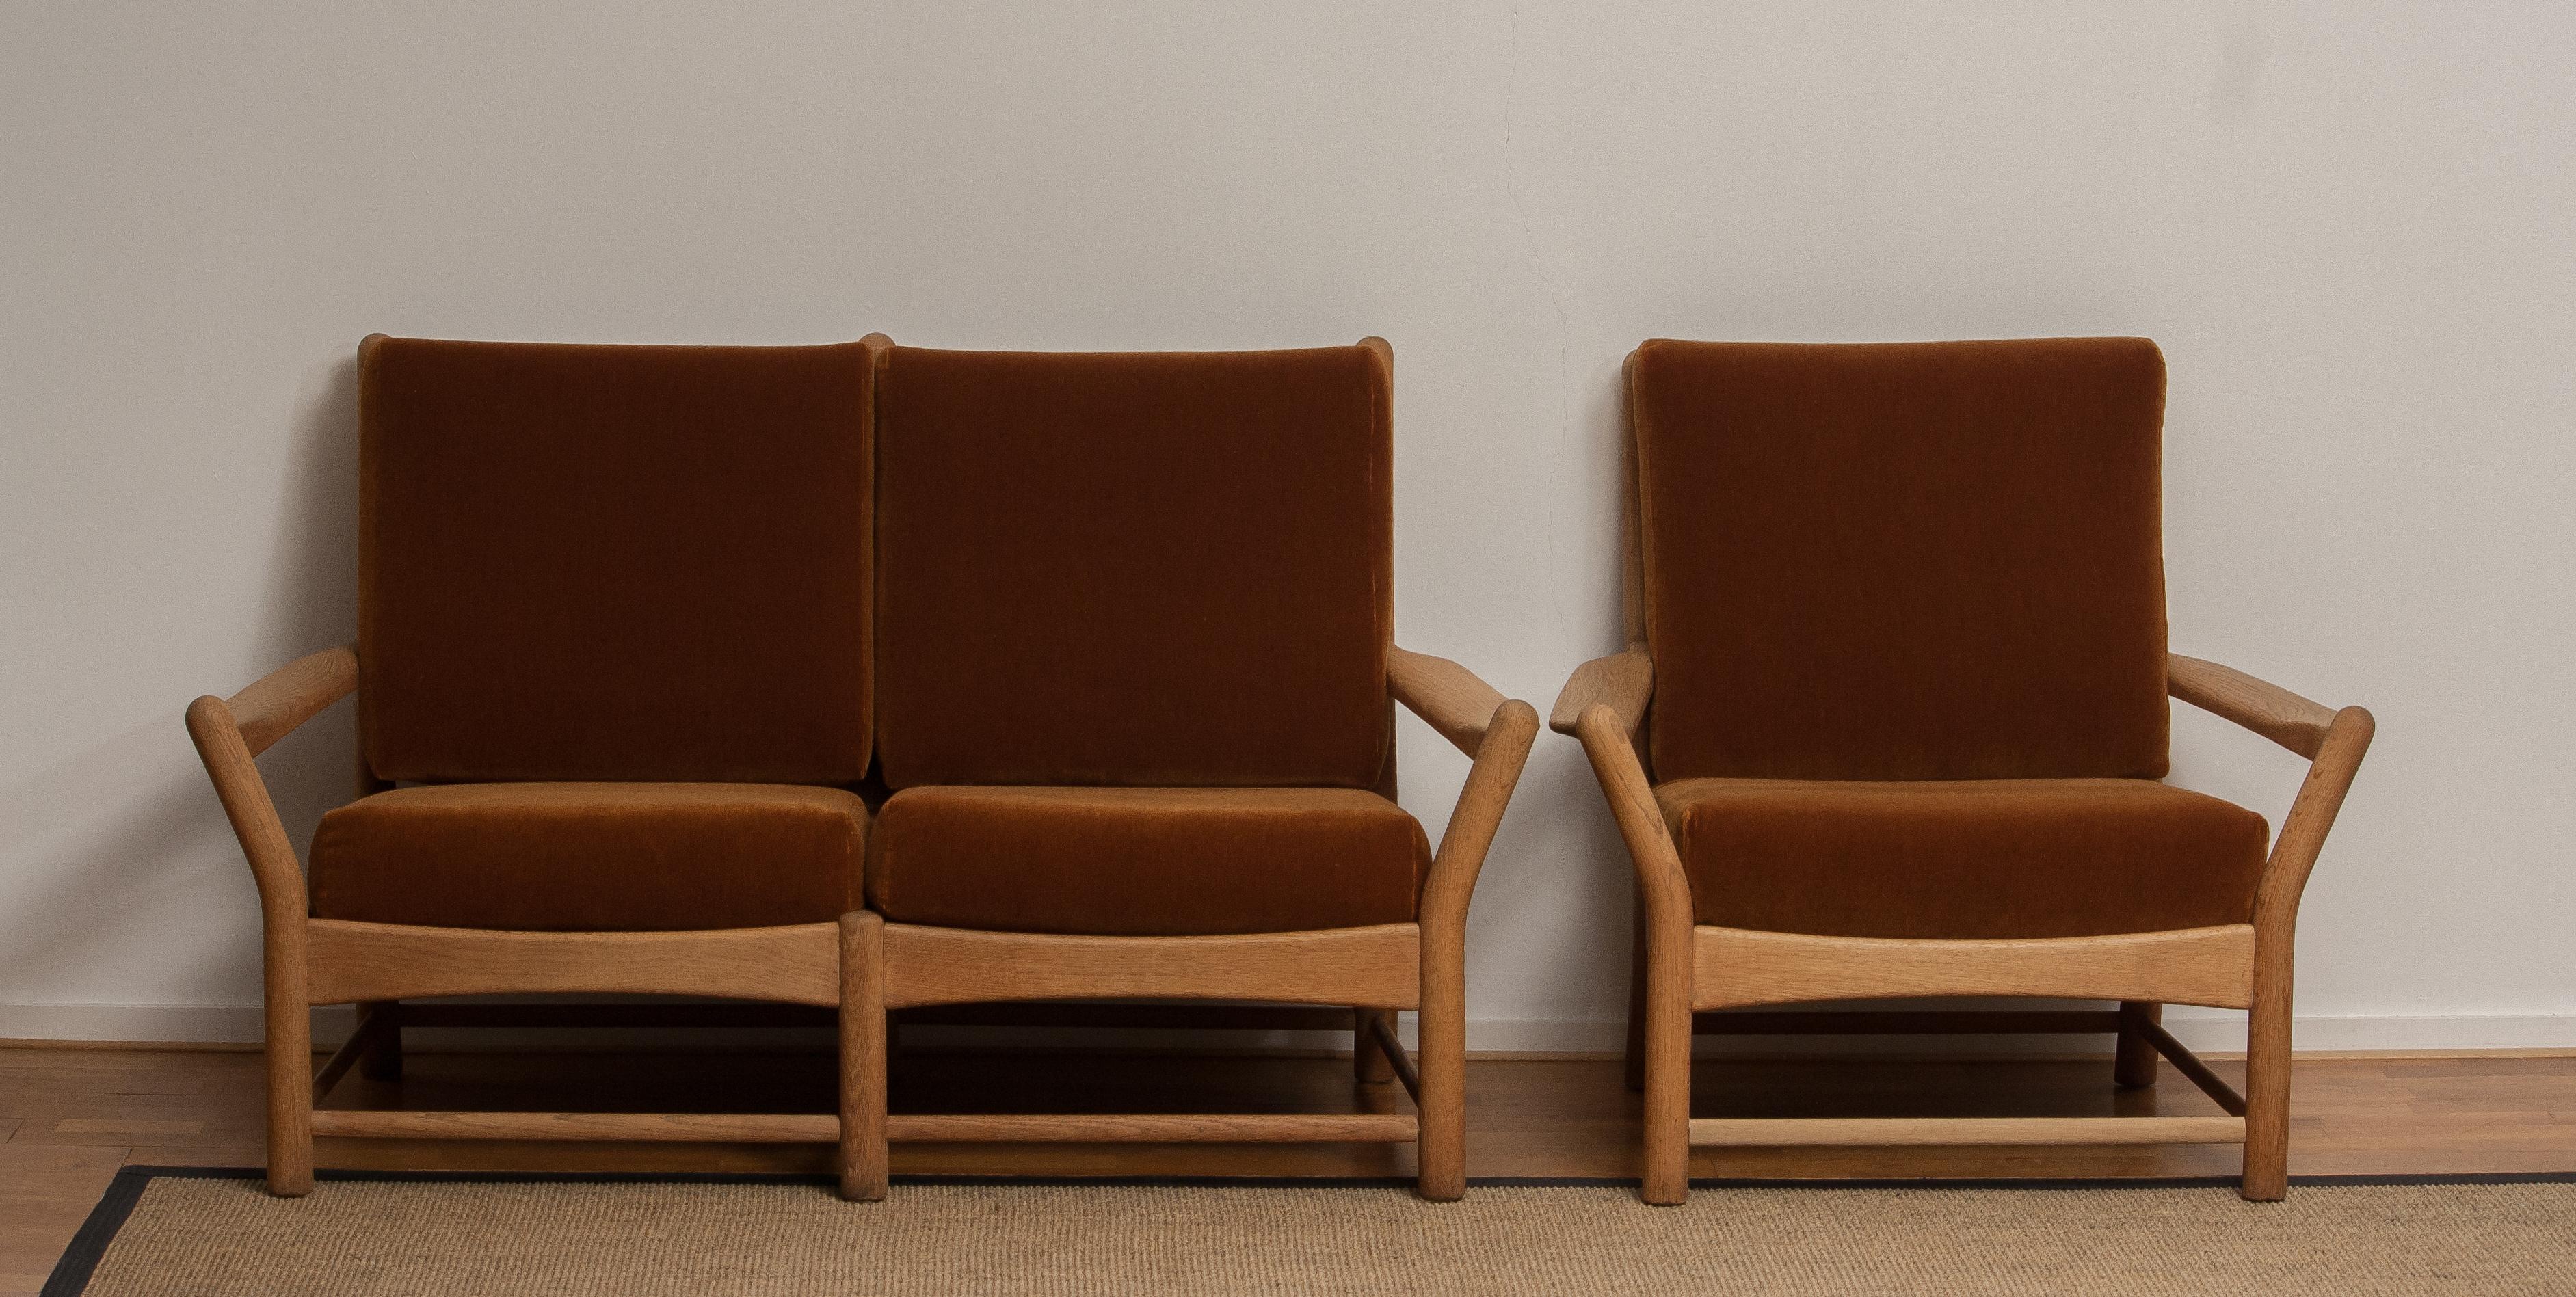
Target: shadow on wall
(114, 864)
(312, 598)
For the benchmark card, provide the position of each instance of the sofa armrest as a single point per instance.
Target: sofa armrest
(231, 733)
(2334, 741)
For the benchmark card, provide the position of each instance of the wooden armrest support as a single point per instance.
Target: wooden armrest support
(270, 709)
(1445, 694)
(2334, 742)
(1500, 753)
(2258, 705)
(1623, 682)
(1660, 882)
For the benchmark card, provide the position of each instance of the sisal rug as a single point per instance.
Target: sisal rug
(195, 1232)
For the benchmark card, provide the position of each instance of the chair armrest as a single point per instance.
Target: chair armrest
(1502, 749)
(283, 699)
(230, 733)
(2258, 705)
(2334, 742)
(1446, 695)
(1661, 885)
(1623, 682)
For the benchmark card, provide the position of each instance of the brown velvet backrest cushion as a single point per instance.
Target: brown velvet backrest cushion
(1133, 569)
(1903, 561)
(618, 563)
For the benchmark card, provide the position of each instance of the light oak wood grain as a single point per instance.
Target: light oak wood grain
(1442, 1030)
(1661, 1011)
(229, 760)
(697, 1127)
(1622, 682)
(1817, 1131)
(1904, 1022)
(1448, 697)
(2210, 966)
(271, 708)
(2276, 918)
(1372, 966)
(2258, 705)
(1185, 1128)
(864, 1057)
(351, 961)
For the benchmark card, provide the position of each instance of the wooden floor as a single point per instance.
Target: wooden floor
(70, 1116)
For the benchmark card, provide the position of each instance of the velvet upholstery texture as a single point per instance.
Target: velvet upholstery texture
(628, 857)
(1962, 859)
(1903, 561)
(1130, 569)
(1145, 861)
(594, 562)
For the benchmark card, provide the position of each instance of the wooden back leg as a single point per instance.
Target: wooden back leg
(383, 1060)
(2135, 1066)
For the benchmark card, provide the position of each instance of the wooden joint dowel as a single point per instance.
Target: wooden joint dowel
(1382, 1028)
(1793, 1132)
(2189, 1064)
(1192, 1128)
(1904, 1022)
(372, 1024)
(677, 1127)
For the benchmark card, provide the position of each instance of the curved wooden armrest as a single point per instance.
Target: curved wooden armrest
(2334, 742)
(1623, 682)
(1445, 694)
(2258, 705)
(229, 733)
(292, 694)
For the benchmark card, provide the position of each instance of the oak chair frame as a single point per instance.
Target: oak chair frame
(1687, 975)
(1372, 972)
(1375, 970)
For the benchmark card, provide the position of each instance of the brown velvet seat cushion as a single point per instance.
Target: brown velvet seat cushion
(581, 562)
(1155, 569)
(1145, 861)
(582, 857)
(1903, 561)
(1962, 859)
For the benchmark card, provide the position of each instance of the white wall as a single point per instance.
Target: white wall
(2349, 225)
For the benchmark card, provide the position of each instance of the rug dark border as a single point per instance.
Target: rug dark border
(71, 1274)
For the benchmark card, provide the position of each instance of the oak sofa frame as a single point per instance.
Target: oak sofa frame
(866, 964)
(863, 967)
(1375, 970)
(1686, 973)
(308, 961)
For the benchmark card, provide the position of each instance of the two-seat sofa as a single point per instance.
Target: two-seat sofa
(869, 677)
